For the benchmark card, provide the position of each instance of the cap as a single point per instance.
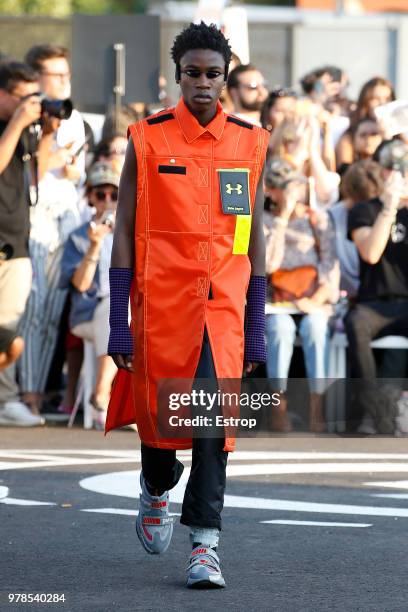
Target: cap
(102, 173)
(280, 173)
(394, 156)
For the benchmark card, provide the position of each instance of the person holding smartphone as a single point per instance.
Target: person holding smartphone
(379, 229)
(85, 273)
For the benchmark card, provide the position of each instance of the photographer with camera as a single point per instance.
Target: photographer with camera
(20, 107)
(67, 157)
(85, 271)
(53, 218)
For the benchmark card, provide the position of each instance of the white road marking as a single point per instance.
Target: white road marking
(40, 458)
(316, 523)
(314, 468)
(126, 484)
(391, 495)
(123, 511)
(394, 484)
(11, 501)
(3, 492)
(237, 455)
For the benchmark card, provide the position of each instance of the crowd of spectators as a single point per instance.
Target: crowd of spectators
(335, 223)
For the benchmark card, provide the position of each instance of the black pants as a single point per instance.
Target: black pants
(365, 322)
(371, 320)
(204, 496)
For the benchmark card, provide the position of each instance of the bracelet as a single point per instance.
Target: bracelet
(93, 259)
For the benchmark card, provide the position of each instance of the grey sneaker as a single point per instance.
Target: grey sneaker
(16, 414)
(203, 570)
(154, 526)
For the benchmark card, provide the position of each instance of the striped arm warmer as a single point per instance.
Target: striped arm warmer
(120, 337)
(255, 350)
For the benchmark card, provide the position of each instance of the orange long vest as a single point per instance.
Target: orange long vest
(186, 276)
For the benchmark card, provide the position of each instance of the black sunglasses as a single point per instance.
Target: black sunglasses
(194, 73)
(283, 92)
(101, 195)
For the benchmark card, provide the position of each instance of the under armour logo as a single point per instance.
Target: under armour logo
(229, 188)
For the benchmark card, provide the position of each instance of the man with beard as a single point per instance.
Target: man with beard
(247, 88)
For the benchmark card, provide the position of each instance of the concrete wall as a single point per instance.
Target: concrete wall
(18, 34)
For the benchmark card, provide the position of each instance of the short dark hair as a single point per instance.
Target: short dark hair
(308, 82)
(363, 181)
(39, 53)
(13, 73)
(233, 80)
(200, 36)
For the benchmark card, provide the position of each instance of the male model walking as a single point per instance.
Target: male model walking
(189, 251)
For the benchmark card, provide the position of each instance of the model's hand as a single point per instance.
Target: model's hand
(123, 362)
(250, 366)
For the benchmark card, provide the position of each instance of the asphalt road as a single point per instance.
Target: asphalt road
(333, 544)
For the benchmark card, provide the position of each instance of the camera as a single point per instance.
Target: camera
(61, 109)
(6, 251)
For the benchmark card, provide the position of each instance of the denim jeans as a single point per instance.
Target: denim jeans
(280, 339)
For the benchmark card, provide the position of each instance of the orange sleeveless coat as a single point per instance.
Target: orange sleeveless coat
(183, 249)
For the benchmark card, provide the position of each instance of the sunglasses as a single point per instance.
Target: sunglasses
(283, 92)
(368, 134)
(254, 85)
(194, 73)
(101, 195)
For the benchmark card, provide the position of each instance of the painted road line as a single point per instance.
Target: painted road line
(235, 456)
(11, 501)
(316, 523)
(391, 495)
(122, 511)
(314, 468)
(394, 484)
(3, 492)
(63, 463)
(126, 484)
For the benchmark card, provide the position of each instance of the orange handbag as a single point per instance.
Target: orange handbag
(291, 285)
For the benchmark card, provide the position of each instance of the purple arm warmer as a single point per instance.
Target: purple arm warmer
(120, 337)
(255, 350)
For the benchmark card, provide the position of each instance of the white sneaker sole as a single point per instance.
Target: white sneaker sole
(11, 423)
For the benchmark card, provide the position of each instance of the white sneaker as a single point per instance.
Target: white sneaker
(16, 414)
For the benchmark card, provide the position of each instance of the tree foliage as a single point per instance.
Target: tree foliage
(65, 8)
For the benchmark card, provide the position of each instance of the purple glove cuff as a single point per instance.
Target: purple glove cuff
(255, 350)
(120, 337)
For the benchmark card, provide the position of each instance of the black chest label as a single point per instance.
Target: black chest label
(234, 190)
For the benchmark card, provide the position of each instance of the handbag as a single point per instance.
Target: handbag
(291, 285)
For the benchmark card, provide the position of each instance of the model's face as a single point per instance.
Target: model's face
(55, 78)
(367, 138)
(202, 79)
(10, 100)
(251, 92)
